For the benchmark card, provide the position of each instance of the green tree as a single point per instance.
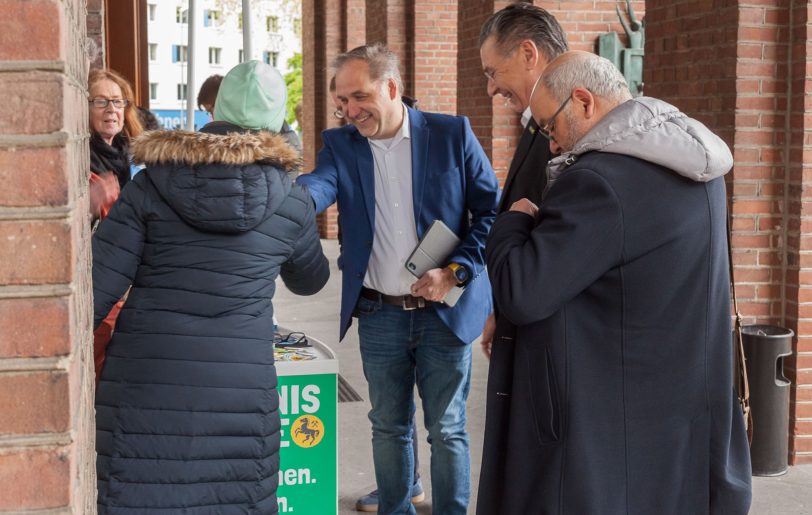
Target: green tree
(293, 81)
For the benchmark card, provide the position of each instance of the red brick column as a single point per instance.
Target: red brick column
(435, 55)
(739, 66)
(95, 30)
(797, 152)
(355, 23)
(392, 22)
(495, 125)
(585, 20)
(47, 459)
(323, 37)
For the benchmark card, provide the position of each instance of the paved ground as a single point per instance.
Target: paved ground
(790, 494)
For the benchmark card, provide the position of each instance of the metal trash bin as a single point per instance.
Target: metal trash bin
(765, 347)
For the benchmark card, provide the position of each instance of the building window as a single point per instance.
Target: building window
(153, 90)
(211, 18)
(179, 54)
(153, 51)
(271, 58)
(272, 23)
(181, 15)
(152, 8)
(181, 91)
(241, 56)
(214, 55)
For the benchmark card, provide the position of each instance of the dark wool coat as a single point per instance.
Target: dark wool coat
(187, 408)
(525, 179)
(622, 396)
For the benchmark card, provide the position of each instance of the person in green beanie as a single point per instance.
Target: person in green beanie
(246, 98)
(187, 413)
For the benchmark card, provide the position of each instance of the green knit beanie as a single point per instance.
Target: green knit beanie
(252, 96)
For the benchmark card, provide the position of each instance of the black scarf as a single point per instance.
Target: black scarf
(111, 158)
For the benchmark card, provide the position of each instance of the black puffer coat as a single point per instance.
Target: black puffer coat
(187, 408)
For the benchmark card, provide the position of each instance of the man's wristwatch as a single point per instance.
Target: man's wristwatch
(460, 273)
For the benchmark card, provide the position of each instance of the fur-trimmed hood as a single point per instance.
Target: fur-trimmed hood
(219, 182)
(196, 148)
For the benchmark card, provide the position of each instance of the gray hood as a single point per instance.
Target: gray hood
(657, 132)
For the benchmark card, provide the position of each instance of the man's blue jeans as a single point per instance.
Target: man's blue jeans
(398, 347)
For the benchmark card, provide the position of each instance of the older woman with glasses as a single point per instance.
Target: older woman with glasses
(114, 122)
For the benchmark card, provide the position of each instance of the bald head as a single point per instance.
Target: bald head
(577, 89)
(576, 69)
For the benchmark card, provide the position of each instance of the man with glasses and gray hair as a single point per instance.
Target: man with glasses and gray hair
(619, 286)
(394, 171)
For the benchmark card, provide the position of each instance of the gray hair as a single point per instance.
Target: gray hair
(383, 63)
(520, 21)
(590, 71)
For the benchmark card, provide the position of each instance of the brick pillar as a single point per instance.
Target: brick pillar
(585, 20)
(392, 22)
(323, 37)
(797, 152)
(435, 55)
(496, 126)
(47, 459)
(95, 30)
(739, 66)
(355, 22)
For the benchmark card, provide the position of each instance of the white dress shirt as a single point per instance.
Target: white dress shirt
(526, 115)
(395, 234)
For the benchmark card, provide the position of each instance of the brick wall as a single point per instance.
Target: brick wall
(739, 66)
(392, 22)
(797, 285)
(47, 459)
(95, 30)
(585, 20)
(323, 37)
(495, 125)
(435, 55)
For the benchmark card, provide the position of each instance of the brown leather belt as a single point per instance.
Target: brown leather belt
(407, 302)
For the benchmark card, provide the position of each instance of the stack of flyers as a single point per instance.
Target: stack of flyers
(293, 354)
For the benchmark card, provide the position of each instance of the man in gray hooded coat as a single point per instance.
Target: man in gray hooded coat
(623, 399)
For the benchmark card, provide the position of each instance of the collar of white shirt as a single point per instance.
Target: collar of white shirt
(526, 115)
(404, 133)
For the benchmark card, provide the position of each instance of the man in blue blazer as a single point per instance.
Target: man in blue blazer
(393, 172)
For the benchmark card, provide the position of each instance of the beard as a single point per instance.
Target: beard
(575, 131)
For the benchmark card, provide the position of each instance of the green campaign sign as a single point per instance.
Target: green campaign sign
(307, 469)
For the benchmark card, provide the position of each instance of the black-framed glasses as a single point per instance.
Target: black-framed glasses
(549, 127)
(101, 103)
(294, 339)
(339, 113)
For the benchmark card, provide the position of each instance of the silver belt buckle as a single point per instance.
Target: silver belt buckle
(408, 303)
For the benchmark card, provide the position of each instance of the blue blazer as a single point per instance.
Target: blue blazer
(452, 181)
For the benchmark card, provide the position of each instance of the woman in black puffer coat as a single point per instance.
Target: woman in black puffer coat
(187, 408)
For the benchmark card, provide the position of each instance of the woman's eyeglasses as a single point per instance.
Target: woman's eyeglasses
(101, 103)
